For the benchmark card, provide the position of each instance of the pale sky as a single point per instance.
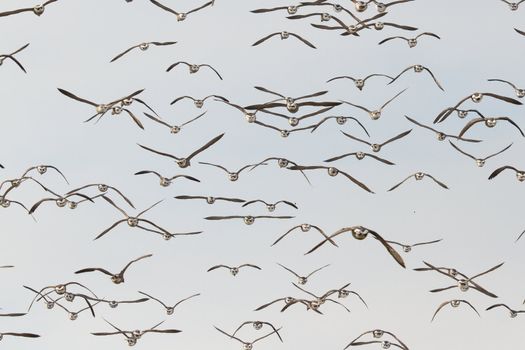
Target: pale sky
(71, 45)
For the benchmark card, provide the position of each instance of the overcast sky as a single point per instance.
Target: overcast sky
(71, 46)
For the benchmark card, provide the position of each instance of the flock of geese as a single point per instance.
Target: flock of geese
(345, 21)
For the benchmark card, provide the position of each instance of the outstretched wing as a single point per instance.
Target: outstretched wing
(263, 39)
(123, 53)
(499, 170)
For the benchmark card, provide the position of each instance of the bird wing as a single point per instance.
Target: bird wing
(11, 57)
(110, 228)
(434, 78)
(438, 182)
(471, 123)
(253, 201)
(514, 124)
(14, 12)
(441, 306)
(421, 125)
(285, 234)
(107, 199)
(499, 170)
(164, 43)
(357, 182)
(263, 39)
(400, 74)
(134, 261)
(181, 98)
(397, 137)
(135, 119)
(341, 77)
(461, 151)
(503, 98)
(234, 200)
(193, 119)
(250, 265)
(499, 152)
(210, 3)
(215, 165)
(357, 106)
(206, 146)
(471, 306)
(379, 159)
(93, 269)
(391, 38)
(306, 42)
(164, 7)
(268, 304)
(293, 205)
(149, 296)
(392, 99)
(159, 152)
(428, 34)
(289, 270)
(75, 97)
(487, 271)
(399, 184)
(317, 270)
(425, 243)
(269, 10)
(213, 69)
(183, 300)
(123, 53)
(223, 217)
(389, 248)
(504, 81)
(217, 267)
(356, 138)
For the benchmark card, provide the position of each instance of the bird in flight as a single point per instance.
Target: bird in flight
(185, 162)
(520, 174)
(170, 309)
(11, 56)
(234, 270)
(174, 129)
(454, 303)
(412, 42)
(332, 171)
(418, 69)
(248, 345)
(419, 176)
(441, 136)
(376, 147)
(166, 181)
(480, 162)
(360, 233)
(489, 122)
(248, 219)
(476, 97)
(143, 47)
(303, 279)
(360, 82)
(376, 113)
(284, 35)
(520, 93)
(181, 16)
(512, 313)
(116, 278)
(270, 206)
(37, 9)
(194, 68)
(378, 334)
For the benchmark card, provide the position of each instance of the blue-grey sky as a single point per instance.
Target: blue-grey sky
(71, 45)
